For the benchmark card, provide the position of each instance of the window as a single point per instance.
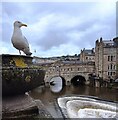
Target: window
(111, 58)
(111, 73)
(111, 66)
(114, 73)
(108, 67)
(108, 58)
(114, 67)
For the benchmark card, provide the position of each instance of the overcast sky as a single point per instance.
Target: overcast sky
(58, 28)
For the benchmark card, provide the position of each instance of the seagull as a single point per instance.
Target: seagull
(18, 40)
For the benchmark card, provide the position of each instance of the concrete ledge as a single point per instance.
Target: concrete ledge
(23, 107)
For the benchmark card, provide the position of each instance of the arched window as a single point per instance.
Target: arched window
(111, 66)
(108, 58)
(114, 67)
(111, 58)
(108, 67)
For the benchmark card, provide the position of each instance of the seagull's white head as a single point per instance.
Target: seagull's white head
(19, 24)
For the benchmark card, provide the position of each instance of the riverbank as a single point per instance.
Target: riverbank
(113, 86)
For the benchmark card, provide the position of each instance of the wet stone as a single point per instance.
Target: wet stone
(23, 107)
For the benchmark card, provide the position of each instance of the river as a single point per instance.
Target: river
(49, 98)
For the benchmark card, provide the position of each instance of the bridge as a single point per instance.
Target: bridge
(71, 72)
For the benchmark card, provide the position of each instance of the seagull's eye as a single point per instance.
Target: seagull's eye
(18, 22)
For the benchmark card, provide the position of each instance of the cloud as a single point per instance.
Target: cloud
(59, 28)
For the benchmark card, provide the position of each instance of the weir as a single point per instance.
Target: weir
(87, 107)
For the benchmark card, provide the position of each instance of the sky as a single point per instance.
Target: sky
(58, 28)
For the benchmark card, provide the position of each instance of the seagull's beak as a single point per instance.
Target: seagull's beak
(23, 25)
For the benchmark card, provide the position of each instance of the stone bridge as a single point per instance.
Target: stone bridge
(70, 71)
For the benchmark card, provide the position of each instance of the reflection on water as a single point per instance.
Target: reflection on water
(56, 84)
(49, 98)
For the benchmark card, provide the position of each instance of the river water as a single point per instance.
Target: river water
(49, 98)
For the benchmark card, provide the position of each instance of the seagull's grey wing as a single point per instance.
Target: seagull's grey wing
(26, 49)
(25, 40)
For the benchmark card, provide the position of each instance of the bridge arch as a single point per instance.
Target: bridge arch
(62, 78)
(78, 80)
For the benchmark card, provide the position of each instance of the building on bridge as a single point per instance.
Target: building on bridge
(70, 71)
(87, 55)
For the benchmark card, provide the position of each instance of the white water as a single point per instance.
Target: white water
(82, 107)
(95, 113)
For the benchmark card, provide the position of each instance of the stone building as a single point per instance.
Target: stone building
(39, 60)
(87, 55)
(106, 58)
(101, 62)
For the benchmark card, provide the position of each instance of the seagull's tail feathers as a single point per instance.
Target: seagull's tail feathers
(27, 51)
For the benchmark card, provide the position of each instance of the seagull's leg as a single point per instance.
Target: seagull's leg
(19, 52)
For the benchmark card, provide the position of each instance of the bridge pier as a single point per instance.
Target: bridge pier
(97, 83)
(68, 83)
